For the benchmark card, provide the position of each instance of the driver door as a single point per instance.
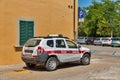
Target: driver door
(72, 51)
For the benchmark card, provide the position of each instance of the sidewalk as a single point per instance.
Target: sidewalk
(6, 68)
(11, 72)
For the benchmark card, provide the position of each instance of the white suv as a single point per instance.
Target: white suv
(51, 51)
(106, 41)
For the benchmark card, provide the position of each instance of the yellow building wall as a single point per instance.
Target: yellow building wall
(50, 17)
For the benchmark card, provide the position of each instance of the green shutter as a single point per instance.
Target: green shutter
(26, 31)
(30, 29)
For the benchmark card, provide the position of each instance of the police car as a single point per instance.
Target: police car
(50, 51)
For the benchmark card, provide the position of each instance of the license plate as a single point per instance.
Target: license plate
(28, 55)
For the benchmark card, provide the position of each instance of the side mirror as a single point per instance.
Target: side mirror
(79, 46)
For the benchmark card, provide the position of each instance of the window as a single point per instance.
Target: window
(32, 43)
(60, 44)
(71, 44)
(50, 43)
(26, 31)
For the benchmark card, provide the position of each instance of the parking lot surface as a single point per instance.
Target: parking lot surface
(105, 65)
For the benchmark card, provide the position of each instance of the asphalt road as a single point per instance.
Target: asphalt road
(105, 65)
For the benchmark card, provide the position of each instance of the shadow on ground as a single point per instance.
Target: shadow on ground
(61, 66)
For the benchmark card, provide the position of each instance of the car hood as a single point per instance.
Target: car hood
(86, 49)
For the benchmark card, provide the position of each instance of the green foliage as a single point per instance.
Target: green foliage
(101, 18)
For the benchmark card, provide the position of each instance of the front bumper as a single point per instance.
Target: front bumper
(115, 44)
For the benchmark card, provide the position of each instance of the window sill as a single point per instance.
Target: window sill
(18, 46)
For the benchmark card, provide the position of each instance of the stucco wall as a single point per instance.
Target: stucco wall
(50, 17)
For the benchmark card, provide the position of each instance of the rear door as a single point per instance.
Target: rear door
(60, 50)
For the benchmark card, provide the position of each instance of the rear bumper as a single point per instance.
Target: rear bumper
(40, 59)
(106, 44)
(97, 43)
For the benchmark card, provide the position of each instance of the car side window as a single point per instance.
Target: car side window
(60, 44)
(50, 43)
(71, 44)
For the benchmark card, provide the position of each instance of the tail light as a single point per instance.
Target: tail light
(40, 50)
(34, 56)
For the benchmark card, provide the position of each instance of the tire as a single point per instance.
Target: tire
(94, 44)
(51, 64)
(29, 65)
(112, 46)
(85, 59)
(103, 45)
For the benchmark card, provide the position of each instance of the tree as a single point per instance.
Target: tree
(101, 18)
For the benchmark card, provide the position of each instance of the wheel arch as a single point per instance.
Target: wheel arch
(53, 56)
(83, 61)
(89, 53)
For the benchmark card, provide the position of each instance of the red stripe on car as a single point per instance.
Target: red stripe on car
(82, 51)
(65, 52)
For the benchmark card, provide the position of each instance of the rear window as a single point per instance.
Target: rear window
(105, 39)
(32, 43)
(50, 43)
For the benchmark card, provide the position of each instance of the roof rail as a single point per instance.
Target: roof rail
(55, 35)
(39, 37)
(52, 36)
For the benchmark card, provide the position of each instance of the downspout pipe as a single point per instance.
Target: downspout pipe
(75, 21)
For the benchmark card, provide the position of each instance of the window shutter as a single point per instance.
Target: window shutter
(30, 29)
(26, 31)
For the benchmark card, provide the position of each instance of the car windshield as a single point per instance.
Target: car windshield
(105, 39)
(97, 39)
(32, 43)
(81, 38)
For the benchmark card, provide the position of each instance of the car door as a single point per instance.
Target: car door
(60, 50)
(72, 51)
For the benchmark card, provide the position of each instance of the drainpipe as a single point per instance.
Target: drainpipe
(75, 23)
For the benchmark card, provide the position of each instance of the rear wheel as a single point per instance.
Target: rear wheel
(29, 65)
(85, 59)
(51, 64)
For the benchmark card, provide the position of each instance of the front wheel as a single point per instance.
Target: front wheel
(85, 59)
(51, 64)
